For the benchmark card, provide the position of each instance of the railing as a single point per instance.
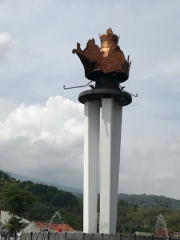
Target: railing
(74, 236)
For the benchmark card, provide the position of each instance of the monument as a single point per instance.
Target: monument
(107, 67)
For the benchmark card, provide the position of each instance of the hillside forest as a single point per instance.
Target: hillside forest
(135, 212)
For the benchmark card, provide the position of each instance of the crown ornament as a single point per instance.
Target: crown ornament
(105, 62)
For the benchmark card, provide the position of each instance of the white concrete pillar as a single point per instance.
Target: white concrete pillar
(110, 144)
(91, 161)
(105, 151)
(117, 123)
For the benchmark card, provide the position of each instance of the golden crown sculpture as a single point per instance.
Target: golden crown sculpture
(107, 60)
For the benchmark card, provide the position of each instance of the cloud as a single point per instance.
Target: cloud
(51, 122)
(6, 44)
(44, 138)
(151, 165)
(44, 141)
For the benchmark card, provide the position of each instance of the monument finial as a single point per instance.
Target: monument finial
(109, 31)
(103, 60)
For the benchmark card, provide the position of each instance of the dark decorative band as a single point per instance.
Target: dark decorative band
(119, 97)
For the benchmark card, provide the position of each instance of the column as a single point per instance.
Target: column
(110, 151)
(105, 153)
(91, 160)
(117, 123)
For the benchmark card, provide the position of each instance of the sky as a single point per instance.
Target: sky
(41, 124)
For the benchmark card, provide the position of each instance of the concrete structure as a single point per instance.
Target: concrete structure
(109, 146)
(107, 67)
(37, 227)
(91, 160)
(81, 236)
(5, 217)
(110, 155)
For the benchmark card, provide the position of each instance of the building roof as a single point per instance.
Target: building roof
(5, 216)
(54, 226)
(32, 227)
(161, 232)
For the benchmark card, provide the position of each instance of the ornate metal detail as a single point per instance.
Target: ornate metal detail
(77, 86)
(107, 66)
(122, 89)
(108, 59)
(136, 95)
(119, 96)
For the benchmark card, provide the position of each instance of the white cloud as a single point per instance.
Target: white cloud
(6, 44)
(58, 120)
(46, 140)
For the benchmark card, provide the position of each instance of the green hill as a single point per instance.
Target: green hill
(154, 201)
(135, 212)
(49, 199)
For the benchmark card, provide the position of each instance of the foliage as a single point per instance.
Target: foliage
(17, 201)
(73, 219)
(144, 200)
(5, 176)
(14, 224)
(49, 199)
(135, 212)
(131, 218)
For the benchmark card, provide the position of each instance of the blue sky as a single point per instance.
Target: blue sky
(41, 124)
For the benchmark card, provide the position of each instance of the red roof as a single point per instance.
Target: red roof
(161, 232)
(54, 226)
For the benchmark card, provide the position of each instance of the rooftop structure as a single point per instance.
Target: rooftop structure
(37, 227)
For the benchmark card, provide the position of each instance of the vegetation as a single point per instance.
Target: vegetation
(14, 224)
(49, 199)
(131, 218)
(135, 212)
(17, 201)
(150, 201)
(7, 178)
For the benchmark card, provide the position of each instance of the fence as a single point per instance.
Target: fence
(73, 236)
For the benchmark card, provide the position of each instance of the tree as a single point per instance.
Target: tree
(5, 176)
(14, 224)
(17, 201)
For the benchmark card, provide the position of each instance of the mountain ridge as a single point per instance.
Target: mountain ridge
(35, 180)
(141, 200)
